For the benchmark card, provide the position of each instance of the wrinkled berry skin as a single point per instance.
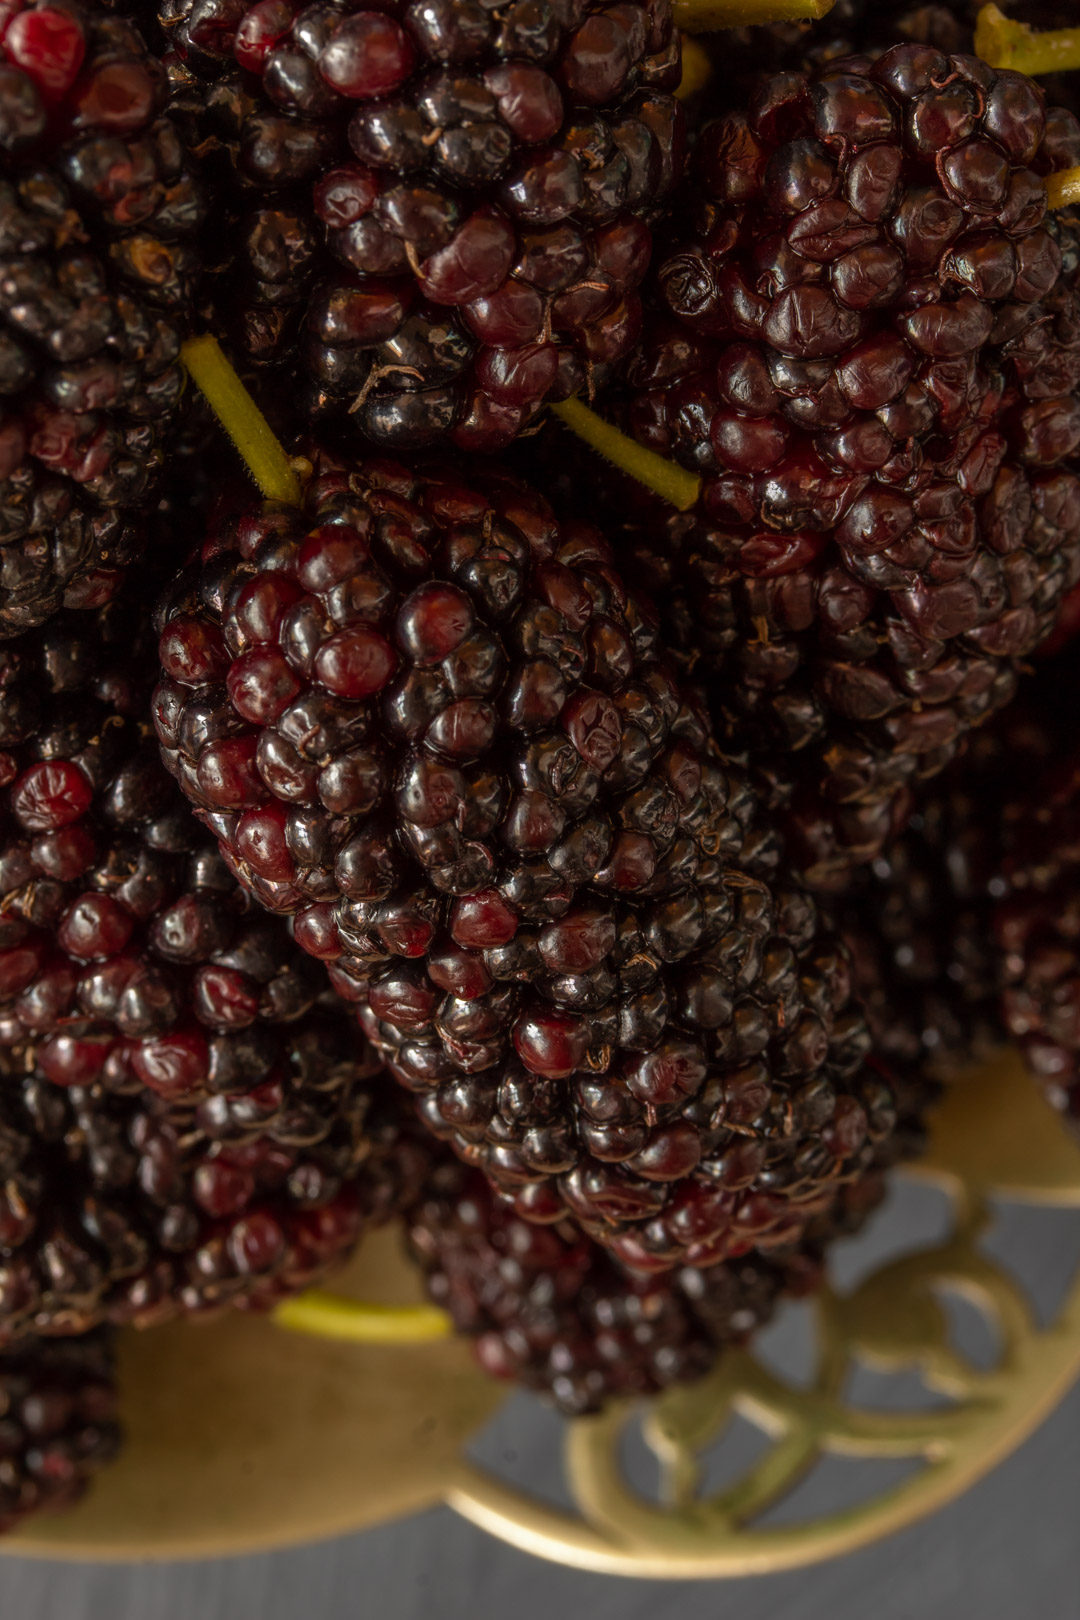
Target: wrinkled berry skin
(441, 210)
(868, 344)
(426, 721)
(59, 1402)
(99, 213)
(119, 1207)
(187, 1115)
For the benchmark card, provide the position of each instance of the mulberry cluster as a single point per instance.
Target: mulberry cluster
(605, 902)
(441, 210)
(868, 346)
(427, 722)
(99, 211)
(186, 1117)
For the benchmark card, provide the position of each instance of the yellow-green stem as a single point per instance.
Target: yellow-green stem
(242, 419)
(665, 478)
(1005, 43)
(1063, 188)
(696, 69)
(702, 16)
(332, 1316)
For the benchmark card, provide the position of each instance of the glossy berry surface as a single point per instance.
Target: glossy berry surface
(187, 1114)
(58, 1415)
(99, 212)
(441, 209)
(867, 343)
(122, 1207)
(425, 720)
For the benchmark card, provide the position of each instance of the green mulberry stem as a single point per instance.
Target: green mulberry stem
(701, 16)
(1063, 188)
(1008, 44)
(332, 1316)
(242, 419)
(665, 478)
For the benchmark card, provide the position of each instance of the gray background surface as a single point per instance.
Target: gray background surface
(1008, 1550)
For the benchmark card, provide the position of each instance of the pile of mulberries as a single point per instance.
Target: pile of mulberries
(188, 1117)
(867, 344)
(599, 888)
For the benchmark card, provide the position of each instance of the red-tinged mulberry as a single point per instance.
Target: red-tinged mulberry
(187, 1115)
(426, 721)
(866, 340)
(440, 211)
(99, 215)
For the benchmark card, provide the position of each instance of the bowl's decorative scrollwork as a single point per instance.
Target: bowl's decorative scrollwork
(243, 1436)
(994, 1136)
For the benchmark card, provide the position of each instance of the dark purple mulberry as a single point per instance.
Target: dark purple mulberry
(1037, 922)
(867, 343)
(441, 210)
(951, 929)
(186, 1114)
(425, 720)
(918, 920)
(553, 1311)
(98, 217)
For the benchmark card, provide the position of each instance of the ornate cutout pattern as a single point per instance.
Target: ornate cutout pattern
(994, 1137)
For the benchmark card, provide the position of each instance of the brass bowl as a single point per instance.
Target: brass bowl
(242, 1436)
